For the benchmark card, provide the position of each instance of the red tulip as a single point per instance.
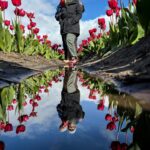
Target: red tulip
(62, 3)
(111, 126)
(115, 145)
(45, 36)
(134, 2)
(109, 12)
(36, 30)
(22, 12)
(101, 21)
(32, 24)
(108, 117)
(30, 15)
(99, 35)
(10, 107)
(113, 4)
(29, 27)
(85, 43)
(20, 128)
(22, 27)
(16, 2)
(7, 23)
(14, 101)
(24, 103)
(103, 27)
(8, 127)
(3, 5)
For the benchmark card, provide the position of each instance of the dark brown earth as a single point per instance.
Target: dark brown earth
(15, 67)
(128, 68)
(130, 64)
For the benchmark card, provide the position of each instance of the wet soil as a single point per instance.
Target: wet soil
(128, 68)
(16, 67)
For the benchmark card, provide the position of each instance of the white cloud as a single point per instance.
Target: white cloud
(45, 17)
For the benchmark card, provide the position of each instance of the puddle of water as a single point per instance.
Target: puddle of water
(70, 110)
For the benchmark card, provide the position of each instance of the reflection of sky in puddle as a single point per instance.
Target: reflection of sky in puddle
(42, 132)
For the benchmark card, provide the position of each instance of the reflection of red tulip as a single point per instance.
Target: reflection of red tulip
(2, 125)
(115, 119)
(20, 128)
(3, 5)
(35, 104)
(8, 127)
(33, 114)
(38, 97)
(124, 146)
(111, 126)
(7, 22)
(23, 118)
(132, 129)
(115, 145)
(10, 107)
(46, 90)
(101, 105)
(108, 117)
(2, 145)
(16, 2)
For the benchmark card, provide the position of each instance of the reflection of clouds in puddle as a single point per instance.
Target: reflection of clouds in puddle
(85, 95)
(47, 115)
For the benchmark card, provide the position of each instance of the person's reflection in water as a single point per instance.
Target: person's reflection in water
(2, 145)
(69, 109)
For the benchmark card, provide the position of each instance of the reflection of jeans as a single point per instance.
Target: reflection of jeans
(70, 81)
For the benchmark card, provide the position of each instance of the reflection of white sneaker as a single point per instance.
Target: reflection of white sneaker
(63, 129)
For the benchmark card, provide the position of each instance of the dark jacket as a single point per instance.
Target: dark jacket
(69, 17)
(69, 107)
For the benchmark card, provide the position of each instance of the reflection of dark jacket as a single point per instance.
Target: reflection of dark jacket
(69, 16)
(69, 107)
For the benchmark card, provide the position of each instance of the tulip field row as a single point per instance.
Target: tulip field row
(14, 37)
(126, 27)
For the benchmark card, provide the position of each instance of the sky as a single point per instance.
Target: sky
(45, 16)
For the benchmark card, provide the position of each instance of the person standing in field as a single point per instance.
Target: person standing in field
(69, 13)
